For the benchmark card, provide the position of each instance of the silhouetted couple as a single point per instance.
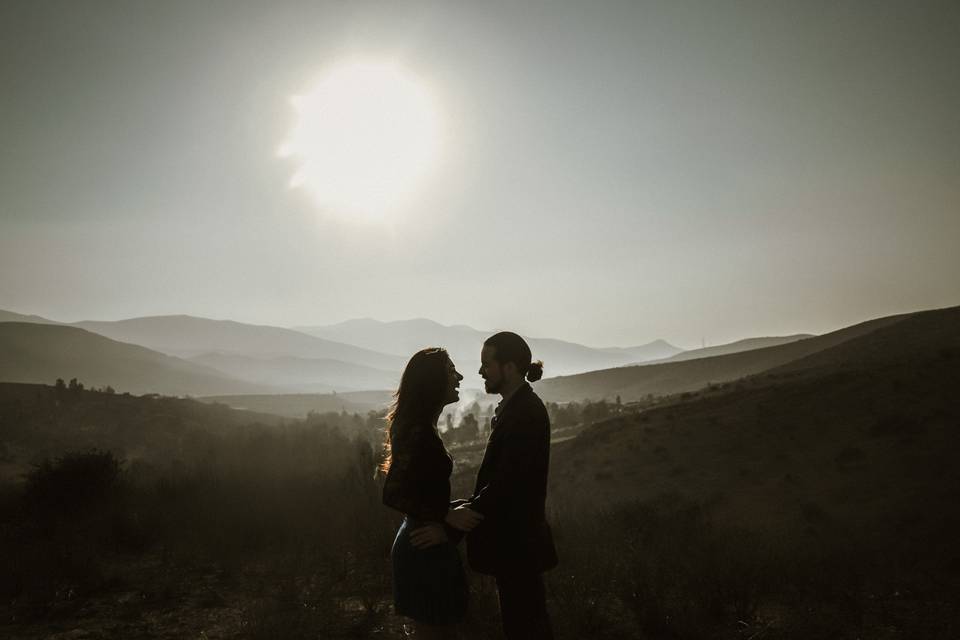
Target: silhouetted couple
(504, 520)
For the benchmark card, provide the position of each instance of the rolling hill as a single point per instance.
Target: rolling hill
(637, 382)
(39, 421)
(404, 337)
(748, 344)
(41, 353)
(10, 316)
(187, 336)
(302, 375)
(862, 433)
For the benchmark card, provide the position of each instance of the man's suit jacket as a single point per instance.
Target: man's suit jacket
(511, 492)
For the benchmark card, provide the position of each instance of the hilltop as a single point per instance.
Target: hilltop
(747, 344)
(41, 353)
(863, 432)
(638, 382)
(305, 375)
(188, 336)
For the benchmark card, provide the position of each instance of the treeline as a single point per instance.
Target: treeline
(474, 423)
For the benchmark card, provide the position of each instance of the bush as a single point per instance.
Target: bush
(74, 483)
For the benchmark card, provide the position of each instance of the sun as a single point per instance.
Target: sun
(366, 137)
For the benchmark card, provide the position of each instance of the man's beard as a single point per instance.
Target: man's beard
(492, 387)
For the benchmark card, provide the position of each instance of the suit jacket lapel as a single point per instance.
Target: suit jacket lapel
(502, 423)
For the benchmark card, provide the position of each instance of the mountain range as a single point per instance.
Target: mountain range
(404, 337)
(199, 356)
(354, 355)
(41, 353)
(637, 382)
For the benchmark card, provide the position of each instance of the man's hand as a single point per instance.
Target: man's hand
(429, 535)
(463, 518)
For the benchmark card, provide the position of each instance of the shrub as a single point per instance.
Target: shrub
(73, 483)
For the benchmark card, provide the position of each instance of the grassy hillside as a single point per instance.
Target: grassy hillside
(636, 383)
(748, 344)
(42, 353)
(39, 421)
(923, 335)
(863, 432)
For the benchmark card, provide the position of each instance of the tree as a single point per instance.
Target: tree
(474, 409)
(469, 429)
(60, 385)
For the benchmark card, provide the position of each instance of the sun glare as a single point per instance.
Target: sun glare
(366, 136)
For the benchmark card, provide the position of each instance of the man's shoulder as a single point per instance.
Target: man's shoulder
(532, 399)
(527, 405)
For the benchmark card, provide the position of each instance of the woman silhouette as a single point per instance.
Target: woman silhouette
(429, 585)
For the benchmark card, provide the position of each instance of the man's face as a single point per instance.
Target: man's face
(490, 370)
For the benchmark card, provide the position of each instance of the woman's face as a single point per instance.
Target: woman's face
(453, 383)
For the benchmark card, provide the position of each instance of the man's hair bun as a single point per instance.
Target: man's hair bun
(535, 372)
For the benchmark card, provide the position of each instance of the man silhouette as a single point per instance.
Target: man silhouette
(513, 542)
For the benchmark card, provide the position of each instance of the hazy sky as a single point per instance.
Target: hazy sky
(610, 172)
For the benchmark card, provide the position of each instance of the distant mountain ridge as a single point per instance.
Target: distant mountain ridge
(649, 352)
(187, 336)
(748, 344)
(372, 352)
(636, 382)
(404, 337)
(10, 316)
(41, 353)
(230, 357)
(301, 375)
(276, 356)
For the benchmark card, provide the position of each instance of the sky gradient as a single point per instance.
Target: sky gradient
(611, 172)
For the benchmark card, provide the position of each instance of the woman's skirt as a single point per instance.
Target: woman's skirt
(429, 585)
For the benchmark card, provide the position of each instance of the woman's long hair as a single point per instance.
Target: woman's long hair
(418, 399)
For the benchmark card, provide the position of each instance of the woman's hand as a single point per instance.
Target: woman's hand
(463, 518)
(429, 535)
